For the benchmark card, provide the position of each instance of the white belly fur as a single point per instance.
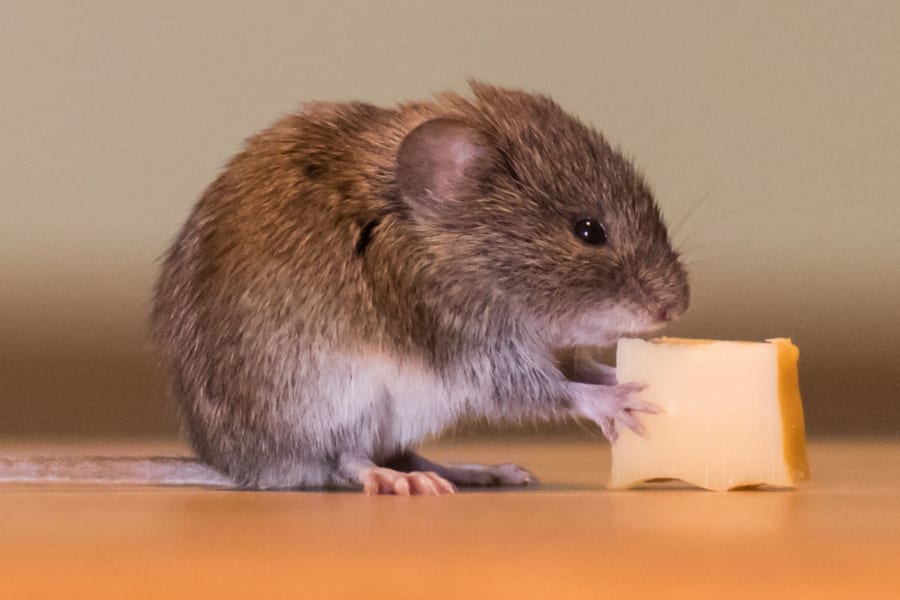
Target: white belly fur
(406, 401)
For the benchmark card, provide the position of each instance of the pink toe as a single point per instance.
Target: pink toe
(401, 486)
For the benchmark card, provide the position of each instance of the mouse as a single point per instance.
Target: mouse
(358, 279)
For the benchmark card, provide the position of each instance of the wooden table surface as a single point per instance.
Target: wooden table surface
(837, 537)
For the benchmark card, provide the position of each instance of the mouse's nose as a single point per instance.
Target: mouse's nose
(666, 312)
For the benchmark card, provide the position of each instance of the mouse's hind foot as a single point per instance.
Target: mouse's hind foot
(381, 480)
(464, 475)
(377, 480)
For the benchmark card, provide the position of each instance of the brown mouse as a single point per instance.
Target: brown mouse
(359, 278)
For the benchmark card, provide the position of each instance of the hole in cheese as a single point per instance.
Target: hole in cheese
(731, 414)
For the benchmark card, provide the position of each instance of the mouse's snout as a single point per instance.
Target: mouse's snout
(670, 311)
(662, 312)
(665, 314)
(663, 293)
(676, 294)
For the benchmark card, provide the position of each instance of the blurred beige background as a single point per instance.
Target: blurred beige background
(769, 130)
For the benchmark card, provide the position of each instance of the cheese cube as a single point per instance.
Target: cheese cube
(731, 414)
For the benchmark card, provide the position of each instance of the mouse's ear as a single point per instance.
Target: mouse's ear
(440, 160)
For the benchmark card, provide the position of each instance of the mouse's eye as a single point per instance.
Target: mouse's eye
(590, 231)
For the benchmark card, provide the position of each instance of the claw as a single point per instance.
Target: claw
(644, 407)
(608, 427)
(607, 405)
(631, 421)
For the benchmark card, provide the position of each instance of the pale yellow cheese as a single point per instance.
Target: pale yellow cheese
(731, 414)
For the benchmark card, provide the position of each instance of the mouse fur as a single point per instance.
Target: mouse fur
(359, 278)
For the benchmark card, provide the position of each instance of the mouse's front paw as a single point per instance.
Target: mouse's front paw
(608, 405)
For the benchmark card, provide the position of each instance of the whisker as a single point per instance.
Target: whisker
(691, 211)
(705, 261)
(713, 221)
(688, 251)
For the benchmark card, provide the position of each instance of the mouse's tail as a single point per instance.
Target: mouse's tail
(123, 470)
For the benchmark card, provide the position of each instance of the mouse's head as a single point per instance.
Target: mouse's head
(519, 201)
